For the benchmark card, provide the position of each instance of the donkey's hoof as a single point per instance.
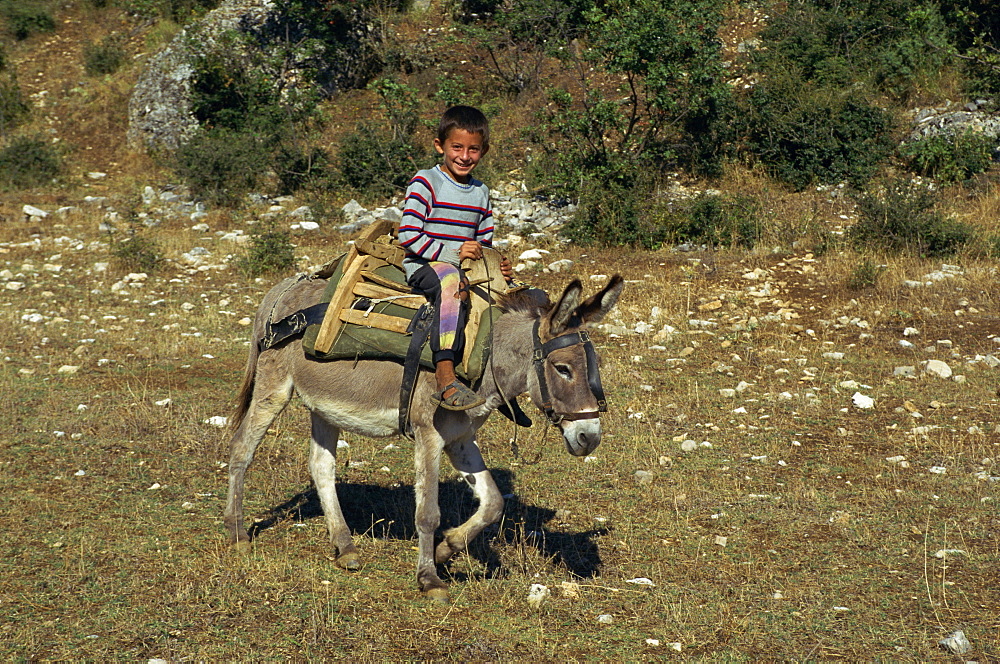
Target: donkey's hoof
(349, 561)
(443, 552)
(242, 546)
(439, 595)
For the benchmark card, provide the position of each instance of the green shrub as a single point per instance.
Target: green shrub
(222, 165)
(887, 45)
(25, 18)
(12, 107)
(613, 216)
(28, 162)
(302, 168)
(269, 251)
(648, 94)
(900, 217)
(865, 275)
(715, 219)
(137, 254)
(379, 158)
(805, 135)
(950, 158)
(104, 57)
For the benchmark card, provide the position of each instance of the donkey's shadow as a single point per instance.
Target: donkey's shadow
(388, 513)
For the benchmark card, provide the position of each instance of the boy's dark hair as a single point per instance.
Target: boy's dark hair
(468, 118)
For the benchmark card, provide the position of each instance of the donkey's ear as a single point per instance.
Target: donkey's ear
(593, 310)
(560, 317)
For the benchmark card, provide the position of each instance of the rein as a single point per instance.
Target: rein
(541, 352)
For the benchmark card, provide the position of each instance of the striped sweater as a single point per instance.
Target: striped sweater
(440, 214)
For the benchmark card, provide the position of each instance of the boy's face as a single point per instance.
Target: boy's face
(462, 150)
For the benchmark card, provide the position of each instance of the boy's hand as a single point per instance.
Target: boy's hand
(470, 249)
(506, 269)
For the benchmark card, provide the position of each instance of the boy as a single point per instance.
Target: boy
(447, 218)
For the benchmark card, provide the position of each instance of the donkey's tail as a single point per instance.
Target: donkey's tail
(245, 395)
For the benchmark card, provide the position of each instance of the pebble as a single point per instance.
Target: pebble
(956, 643)
(218, 421)
(862, 401)
(605, 618)
(937, 368)
(537, 594)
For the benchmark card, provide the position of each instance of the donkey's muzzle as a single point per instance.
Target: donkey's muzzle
(582, 436)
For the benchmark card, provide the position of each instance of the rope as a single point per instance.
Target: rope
(515, 449)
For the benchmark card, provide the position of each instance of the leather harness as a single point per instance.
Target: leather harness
(541, 352)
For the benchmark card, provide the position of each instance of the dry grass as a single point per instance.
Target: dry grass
(126, 559)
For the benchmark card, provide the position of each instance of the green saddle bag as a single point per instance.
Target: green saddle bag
(359, 342)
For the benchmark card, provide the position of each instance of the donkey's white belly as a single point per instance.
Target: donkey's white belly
(362, 419)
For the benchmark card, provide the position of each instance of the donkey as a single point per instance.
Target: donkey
(538, 347)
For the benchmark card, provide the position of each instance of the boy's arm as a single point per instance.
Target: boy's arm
(484, 233)
(412, 238)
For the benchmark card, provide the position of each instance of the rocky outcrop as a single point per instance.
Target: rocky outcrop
(951, 120)
(160, 109)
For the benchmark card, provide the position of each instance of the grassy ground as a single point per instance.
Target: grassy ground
(114, 547)
(788, 537)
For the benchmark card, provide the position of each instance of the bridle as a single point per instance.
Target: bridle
(541, 352)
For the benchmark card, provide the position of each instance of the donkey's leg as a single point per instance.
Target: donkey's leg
(427, 463)
(270, 396)
(323, 466)
(466, 457)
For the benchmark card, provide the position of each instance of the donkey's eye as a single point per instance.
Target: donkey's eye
(564, 371)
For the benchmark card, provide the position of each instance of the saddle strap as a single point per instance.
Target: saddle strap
(420, 331)
(291, 325)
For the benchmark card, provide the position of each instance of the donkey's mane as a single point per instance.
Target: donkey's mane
(532, 302)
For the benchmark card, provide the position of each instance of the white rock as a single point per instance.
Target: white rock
(605, 618)
(904, 371)
(218, 421)
(894, 460)
(244, 321)
(937, 368)
(944, 553)
(938, 470)
(652, 642)
(32, 211)
(956, 643)
(905, 344)
(911, 332)
(309, 226)
(727, 392)
(68, 369)
(689, 445)
(563, 265)
(862, 401)
(641, 581)
(833, 356)
(164, 403)
(537, 594)
(532, 254)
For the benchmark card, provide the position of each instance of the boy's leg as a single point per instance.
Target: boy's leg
(441, 283)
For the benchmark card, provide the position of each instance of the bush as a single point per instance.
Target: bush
(714, 219)
(104, 57)
(379, 158)
(865, 275)
(612, 216)
(302, 168)
(28, 162)
(269, 251)
(137, 254)
(900, 217)
(12, 106)
(221, 165)
(25, 18)
(950, 158)
(887, 45)
(804, 134)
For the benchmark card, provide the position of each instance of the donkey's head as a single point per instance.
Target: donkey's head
(567, 385)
